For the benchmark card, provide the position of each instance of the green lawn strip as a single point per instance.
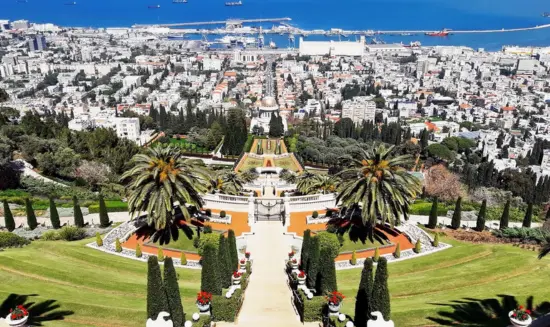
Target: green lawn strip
(286, 163)
(460, 272)
(358, 245)
(251, 163)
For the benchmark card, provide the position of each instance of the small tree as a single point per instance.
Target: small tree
(380, 292)
(173, 293)
(353, 260)
(505, 216)
(480, 224)
(306, 244)
(417, 246)
(138, 251)
(457, 214)
(397, 252)
(363, 301)
(8, 217)
(327, 273)
(210, 281)
(234, 254)
(224, 270)
(31, 217)
(78, 218)
(313, 263)
(376, 255)
(435, 243)
(54, 215)
(528, 215)
(103, 215)
(432, 222)
(183, 259)
(156, 295)
(118, 247)
(160, 254)
(98, 239)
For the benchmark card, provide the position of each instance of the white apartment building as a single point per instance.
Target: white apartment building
(358, 109)
(128, 128)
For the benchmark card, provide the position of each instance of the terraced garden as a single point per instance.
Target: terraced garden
(423, 288)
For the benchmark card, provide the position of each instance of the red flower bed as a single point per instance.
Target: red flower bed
(521, 313)
(335, 297)
(301, 274)
(204, 297)
(18, 313)
(237, 274)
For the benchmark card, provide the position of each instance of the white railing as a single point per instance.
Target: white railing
(226, 202)
(312, 202)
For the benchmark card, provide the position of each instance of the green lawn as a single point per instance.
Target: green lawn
(101, 289)
(187, 145)
(358, 245)
(250, 162)
(419, 286)
(184, 243)
(286, 163)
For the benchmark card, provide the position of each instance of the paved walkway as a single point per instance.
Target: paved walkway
(268, 300)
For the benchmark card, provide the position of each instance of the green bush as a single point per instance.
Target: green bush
(313, 309)
(417, 246)
(118, 247)
(183, 259)
(223, 214)
(31, 217)
(376, 255)
(397, 252)
(8, 240)
(204, 321)
(160, 254)
(112, 206)
(207, 229)
(523, 234)
(329, 241)
(315, 214)
(224, 309)
(435, 243)
(423, 208)
(139, 254)
(212, 239)
(50, 235)
(8, 217)
(353, 260)
(98, 239)
(71, 233)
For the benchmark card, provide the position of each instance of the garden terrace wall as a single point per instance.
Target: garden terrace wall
(298, 222)
(312, 203)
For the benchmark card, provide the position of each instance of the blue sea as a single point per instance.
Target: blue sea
(313, 14)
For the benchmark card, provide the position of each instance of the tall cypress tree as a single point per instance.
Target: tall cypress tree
(381, 292)
(306, 244)
(480, 224)
(528, 215)
(103, 215)
(78, 218)
(234, 255)
(210, 281)
(156, 295)
(173, 293)
(31, 217)
(54, 215)
(505, 215)
(8, 217)
(224, 269)
(363, 301)
(313, 263)
(457, 215)
(432, 222)
(326, 278)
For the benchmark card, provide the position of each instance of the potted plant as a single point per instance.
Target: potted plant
(243, 263)
(294, 263)
(236, 278)
(335, 301)
(203, 301)
(520, 317)
(247, 255)
(291, 254)
(301, 277)
(17, 316)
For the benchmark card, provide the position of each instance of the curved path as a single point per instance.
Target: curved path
(268, 300)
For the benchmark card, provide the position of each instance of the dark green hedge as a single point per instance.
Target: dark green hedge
(313, 309)
(112, 206)
(204, 321)
(224, 309)
(8, 240)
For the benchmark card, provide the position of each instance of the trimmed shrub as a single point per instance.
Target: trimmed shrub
(173, 293)
(313, 309)
(103, 215)
(98, 239)
(224, 268)
(50, 235)
(457, 214)
(380, 291)
(31, 217)
(417, 246)
(208, 212)
(223, 214)
(248, 267)
(224, 309)
(363, 303)
(207, 229)
(183, 259)
(376, 256)
(160, 254)
(306, 244)
(480, 223)
(432, 222)
(118, 247)
(78, 218)
(528, 216)
(397, 252)
(326, 280)
(139, 254)
(54, 215)
(71, 233)
(353, 260)
(313, 263)
(329, 241)
(537, 235)
(315, 214)
(435, 243)
(8, 240)
(156, 295)
(210, 282)
(212, 239)
(8, 217)
(233, 254)
(505, 216)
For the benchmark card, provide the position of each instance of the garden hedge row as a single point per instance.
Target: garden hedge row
(204, 321)
(8, 240)
(224, 309)
(313, 309)
(112, 206)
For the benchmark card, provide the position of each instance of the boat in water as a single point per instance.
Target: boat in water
(440, 33)
(546, 14)
(70, 3)
(414, 44)
(179, 1)
(176, 37)
(272, 45)
(233, 3)
(154, 7)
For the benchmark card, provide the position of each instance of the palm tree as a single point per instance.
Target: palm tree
(166, 186)
(249, 175)
(288, 176)
(545, 248)
(379, 185)
(305, 182)
(229, 183)
(325, 184)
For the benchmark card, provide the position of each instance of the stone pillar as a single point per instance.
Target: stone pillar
(286, 200)
(251, 210)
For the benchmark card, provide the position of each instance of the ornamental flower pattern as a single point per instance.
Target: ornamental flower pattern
(18, 313)
(521, 314)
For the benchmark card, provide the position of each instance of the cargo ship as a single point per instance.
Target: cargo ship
(154, 7)
(234, 3)
(441, 33)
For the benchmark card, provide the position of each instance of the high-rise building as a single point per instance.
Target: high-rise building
(37, 43)
(359, 109)
(20, 24)
(4, 24)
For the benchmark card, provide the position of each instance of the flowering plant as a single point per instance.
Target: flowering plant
(204, 297)
(335, 297)
(18, 313)
(237, 274)
(521, 313)
(291, 254)
(243, 261)
(247, 255)
(301, 274)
